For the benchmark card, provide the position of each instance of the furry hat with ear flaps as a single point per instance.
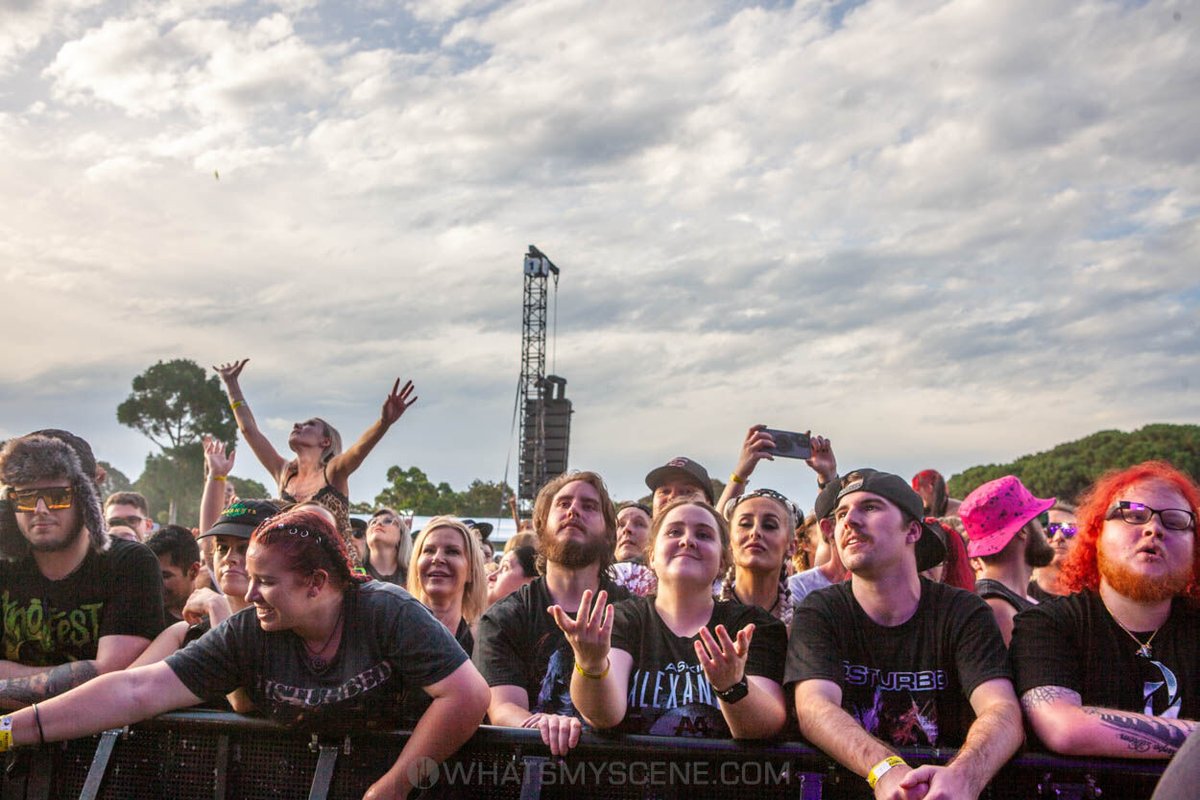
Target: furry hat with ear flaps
(27, 459)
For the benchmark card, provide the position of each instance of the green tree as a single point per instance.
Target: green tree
(114, 480)
(484, 499)
(1066, 470)
(173, 405)
(245, 487)
(175, 475)
(411, 490)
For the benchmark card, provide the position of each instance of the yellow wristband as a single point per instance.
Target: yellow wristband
(735, 478)
(6, 737)
(236, 404)
(218, 477)
(880, 769)
(592, 675)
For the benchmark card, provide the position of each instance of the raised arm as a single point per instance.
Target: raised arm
(755, 447)
(267, 455)
(459, 703)
(113, 653)
(217, 464)
(600, 680)
(761, 713)
(110, 701)
(1067, 726)
(994, 736)
(823, 461)
(394, 406)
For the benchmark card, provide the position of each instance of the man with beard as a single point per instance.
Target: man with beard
(1114, 669)
(519, 649)
(1001, 519)
(76, 603)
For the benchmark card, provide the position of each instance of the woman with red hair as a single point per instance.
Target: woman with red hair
(318, 644)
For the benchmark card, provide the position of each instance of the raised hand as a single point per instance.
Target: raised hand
(822, 461)
(590, 632)
(216, 459)
(397, 402)
(756, 447)
(724, 659)
(230, 370)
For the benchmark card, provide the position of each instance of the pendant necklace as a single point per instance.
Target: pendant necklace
(315, 660)
(1144, 650)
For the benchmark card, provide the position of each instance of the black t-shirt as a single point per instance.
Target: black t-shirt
(1075, 643)
(669, 694)
(987, 587)
(910, 684)
(517, 643)
(117, 592)
(390, 643)
(415, 701)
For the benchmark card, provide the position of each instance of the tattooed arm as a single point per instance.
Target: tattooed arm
(1067, 726)
(112, 653)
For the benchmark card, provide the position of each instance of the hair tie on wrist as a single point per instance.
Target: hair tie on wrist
(236, 404)
(37, 717)
(218, 477)
(735, 478)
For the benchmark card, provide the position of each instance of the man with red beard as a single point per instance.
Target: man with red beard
(1114, 669)
(519, 649)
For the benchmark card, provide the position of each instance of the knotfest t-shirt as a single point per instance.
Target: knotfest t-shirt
(1075, 643)
(117, 592)
(517, 643)
(390, 643)
(669, 694)
(909, 684)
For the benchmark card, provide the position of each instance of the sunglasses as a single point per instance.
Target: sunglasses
(129, 522)
(1175, 519)
(56, 498)
(1067, 529)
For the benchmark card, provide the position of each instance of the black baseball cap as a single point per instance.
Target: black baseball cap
(484, 529)
(931, 550)
(241, 518)
(682, 467)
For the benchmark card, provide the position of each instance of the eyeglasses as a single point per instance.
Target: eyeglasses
(1175, 519)
(56, 498)
(129, 522)
(1067, 529)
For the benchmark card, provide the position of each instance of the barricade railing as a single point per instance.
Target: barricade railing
(203, 755)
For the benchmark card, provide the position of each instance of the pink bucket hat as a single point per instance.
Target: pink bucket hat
(993, 513)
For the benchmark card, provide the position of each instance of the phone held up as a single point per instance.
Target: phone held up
(789, 444)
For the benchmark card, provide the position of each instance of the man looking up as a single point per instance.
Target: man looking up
(179, 562)
(129, 509)
(1001, 519)
(76, 604)
(519, 649)
(890, 659)
(1114, 668)
(679, 478)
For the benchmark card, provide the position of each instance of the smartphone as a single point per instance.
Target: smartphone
(789, 444)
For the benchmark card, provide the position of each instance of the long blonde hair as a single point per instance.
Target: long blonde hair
(475, 590)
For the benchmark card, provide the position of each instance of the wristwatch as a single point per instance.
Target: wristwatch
(735, 692)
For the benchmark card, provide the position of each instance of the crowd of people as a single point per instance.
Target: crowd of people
(892, 616)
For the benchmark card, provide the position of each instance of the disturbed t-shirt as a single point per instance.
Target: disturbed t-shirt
(390, 642)
(669, 694)
(908, 684)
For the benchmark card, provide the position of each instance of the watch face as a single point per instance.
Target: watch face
(735, 692)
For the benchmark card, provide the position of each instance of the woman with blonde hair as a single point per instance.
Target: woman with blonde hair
(446, 574)
(389, 547)
(320, 471)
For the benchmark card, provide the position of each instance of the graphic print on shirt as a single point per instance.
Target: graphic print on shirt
(1165, 691)
(34, 633)
(679, 700)
(899, 707)
(554, 696)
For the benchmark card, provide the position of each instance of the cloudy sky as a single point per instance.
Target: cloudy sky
(941, 233)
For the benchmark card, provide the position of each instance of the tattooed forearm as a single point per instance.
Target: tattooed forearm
(16, 692)
(1044, 695)
(1144, 734)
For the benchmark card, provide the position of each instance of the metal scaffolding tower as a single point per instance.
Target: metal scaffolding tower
(534, 385)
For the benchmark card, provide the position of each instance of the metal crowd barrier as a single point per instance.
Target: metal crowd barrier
(203, 755)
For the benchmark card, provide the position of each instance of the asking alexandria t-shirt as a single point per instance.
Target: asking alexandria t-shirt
(1075, 643)
(117, 592)
(669, 694)
(390, 642)
(518, 643)
(910, 684)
